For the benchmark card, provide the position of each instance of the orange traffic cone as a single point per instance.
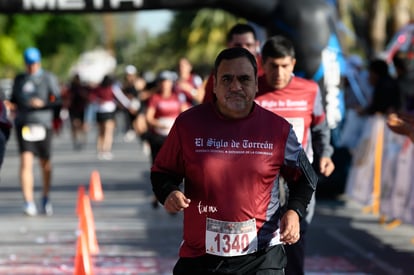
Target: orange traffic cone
(83, 262)
(87, 225)
(95, 187)
(79, 206)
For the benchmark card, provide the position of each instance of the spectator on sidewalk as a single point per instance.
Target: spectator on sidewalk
(404, 68)
(357, 94)
(402, 124)
(386, 95)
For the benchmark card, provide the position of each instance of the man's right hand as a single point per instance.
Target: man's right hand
(176, 201)
(37, 102)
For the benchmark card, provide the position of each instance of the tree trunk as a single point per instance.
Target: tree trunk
(347, 34)
(400, 13)
(377, 25)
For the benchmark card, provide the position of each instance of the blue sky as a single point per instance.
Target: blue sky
(155, 21)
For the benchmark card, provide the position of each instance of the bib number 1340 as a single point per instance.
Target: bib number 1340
(231, 238)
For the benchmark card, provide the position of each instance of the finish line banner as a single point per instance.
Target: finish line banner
(87, 6)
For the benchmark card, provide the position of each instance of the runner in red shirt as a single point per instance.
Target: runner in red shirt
(163, 108)
(189, 83)
(299, 101)
(240, 35)
(230, 162)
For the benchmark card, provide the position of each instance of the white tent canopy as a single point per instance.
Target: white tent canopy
(92, 66)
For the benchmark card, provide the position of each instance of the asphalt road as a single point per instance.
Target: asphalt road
(134, 238)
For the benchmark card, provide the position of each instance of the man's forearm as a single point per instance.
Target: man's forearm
(162, 185)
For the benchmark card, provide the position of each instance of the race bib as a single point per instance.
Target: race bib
(166, 124)
(298, 125)
(231, 238)
(33, 132)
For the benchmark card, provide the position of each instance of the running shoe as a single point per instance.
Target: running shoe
(30, 209)
(47, 208)
(130, 136)
(105, 156)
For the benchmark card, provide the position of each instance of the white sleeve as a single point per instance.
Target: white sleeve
(120, 96)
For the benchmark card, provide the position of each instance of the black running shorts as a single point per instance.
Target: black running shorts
(41, 149)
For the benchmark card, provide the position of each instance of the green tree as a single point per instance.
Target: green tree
(64, 38)
(10, 56)
(374, 22)
(208, 34)
(196, 34)
(25, 28)
(73, 30)
(17, 32)
(60, 38)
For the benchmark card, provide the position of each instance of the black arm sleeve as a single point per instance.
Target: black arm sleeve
(321, 138)
(163, 184)
(301, 191)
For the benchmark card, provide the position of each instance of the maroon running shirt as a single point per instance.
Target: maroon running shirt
(165, 107)
(299, 102)
(229, 168)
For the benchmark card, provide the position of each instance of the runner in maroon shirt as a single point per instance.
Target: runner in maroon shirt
(230, 160)
(163, 108)
(189, 83)
(299, 101)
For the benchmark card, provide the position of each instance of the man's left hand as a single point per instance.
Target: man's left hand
(326, 166)
(289, 227)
